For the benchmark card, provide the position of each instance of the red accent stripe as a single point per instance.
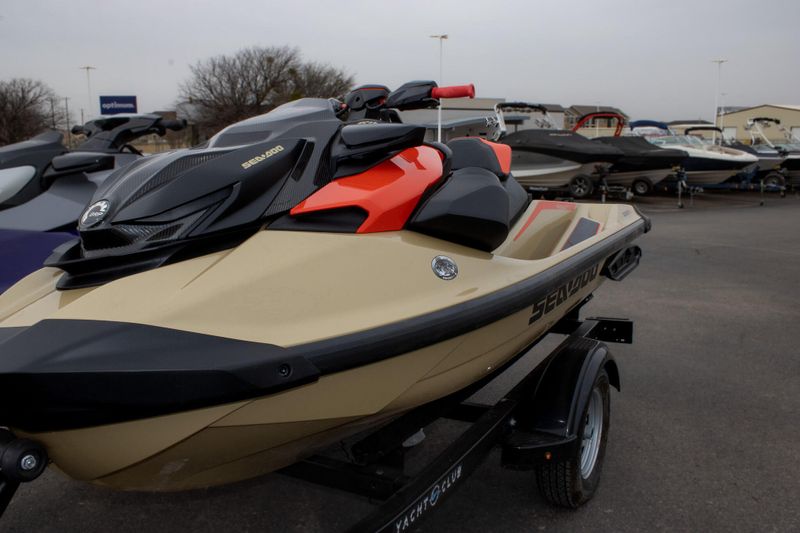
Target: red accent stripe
(388, 192)
(542, 206)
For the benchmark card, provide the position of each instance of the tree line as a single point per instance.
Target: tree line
(220, 91)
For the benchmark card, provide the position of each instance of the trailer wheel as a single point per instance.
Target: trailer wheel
(641, 187)
(572, 482)
(581, 186)
(773, 180)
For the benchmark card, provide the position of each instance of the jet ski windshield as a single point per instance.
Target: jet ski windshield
(269, 125)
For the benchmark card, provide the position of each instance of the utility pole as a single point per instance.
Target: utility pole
(441, 38)
(66, 113)
(722, 114)
(719, 63)
(88, 69)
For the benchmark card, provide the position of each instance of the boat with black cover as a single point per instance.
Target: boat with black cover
(642, 165)
(552, 158)
(308, 274)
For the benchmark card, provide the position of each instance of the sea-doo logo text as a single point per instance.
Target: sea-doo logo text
(562, 293)
(430, 499)
(96, 212)
(259, 158)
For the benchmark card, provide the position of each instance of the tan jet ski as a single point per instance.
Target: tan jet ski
(308, 274)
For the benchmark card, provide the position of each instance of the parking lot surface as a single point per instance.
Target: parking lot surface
(705, 435)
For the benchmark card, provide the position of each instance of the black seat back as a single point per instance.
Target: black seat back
(477, 152)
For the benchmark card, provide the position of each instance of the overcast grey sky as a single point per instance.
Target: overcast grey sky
(651, 58)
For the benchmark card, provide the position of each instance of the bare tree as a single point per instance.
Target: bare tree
(28, 107)
(226, 89)
(320, 81)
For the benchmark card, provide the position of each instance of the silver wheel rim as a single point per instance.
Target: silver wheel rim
(592, 432)
(580, 186)
(640, 187)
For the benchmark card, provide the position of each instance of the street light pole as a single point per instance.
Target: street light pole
(722, 114)
(441, 38)
(66, 113)
(89, 68)
(719, 63)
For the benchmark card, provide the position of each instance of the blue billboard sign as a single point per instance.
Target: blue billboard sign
(112, 105)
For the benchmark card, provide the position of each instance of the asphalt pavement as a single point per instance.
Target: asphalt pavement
(705, 434)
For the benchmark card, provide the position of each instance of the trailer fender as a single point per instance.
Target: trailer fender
(547, 422)
(566, 384)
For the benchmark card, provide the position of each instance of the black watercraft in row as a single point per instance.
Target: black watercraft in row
(58, 183)
(55, 185)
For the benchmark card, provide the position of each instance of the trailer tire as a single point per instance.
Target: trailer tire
(572, 482)
(774, 180)
(581, 186)
(641, 187)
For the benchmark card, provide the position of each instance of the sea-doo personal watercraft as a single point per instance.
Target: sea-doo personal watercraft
(309, 273)
(790, 148)
(58, 185)
(552, 158)
(642, 165)
(23, 164)
(705, 164)
(767, 170)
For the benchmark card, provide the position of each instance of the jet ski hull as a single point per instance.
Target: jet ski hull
(352, 365)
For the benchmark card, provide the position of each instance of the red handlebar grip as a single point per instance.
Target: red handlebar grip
(455, 91)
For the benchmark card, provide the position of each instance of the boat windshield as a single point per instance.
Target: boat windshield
(792, 147)
(677, 140)
(764, 149)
